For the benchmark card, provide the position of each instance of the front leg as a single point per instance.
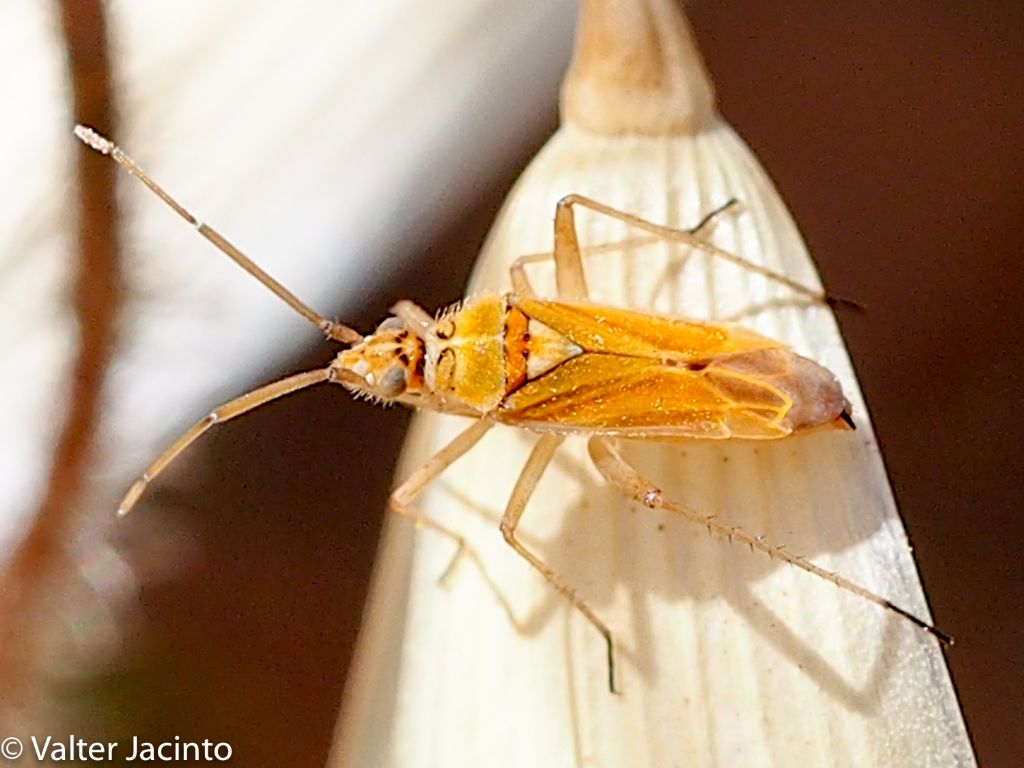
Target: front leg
(403, 496)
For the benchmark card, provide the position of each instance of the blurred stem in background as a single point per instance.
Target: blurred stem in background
(44, 563)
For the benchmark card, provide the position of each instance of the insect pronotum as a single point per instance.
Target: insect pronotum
(560, 367)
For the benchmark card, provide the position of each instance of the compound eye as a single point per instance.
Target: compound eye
(391, 324)
(392, 382)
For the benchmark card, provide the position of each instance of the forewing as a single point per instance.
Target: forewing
(619, 331)
(639, 397)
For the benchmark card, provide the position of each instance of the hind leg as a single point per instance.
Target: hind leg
(570, 278)
(627, 479)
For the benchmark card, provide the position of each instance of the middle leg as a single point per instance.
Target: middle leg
(539, 459)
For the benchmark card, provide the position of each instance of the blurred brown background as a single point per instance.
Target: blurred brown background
(894, 134)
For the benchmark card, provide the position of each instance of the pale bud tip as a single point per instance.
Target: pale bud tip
(94, 140)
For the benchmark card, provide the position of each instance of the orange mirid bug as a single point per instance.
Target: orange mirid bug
(561, 367)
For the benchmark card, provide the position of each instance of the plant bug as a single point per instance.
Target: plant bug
(560, 367)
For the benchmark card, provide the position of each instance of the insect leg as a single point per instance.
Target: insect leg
(570, 279)
(219, 415)
(623, 476)
(525, 486)
(693, 238)
(417, 319)
(402, 497)
(521, 283)
(517, 272)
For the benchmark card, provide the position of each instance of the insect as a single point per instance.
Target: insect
(560, 367)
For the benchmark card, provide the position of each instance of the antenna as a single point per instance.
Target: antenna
(333, 330)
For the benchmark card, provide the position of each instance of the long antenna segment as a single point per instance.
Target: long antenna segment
(103, 145)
